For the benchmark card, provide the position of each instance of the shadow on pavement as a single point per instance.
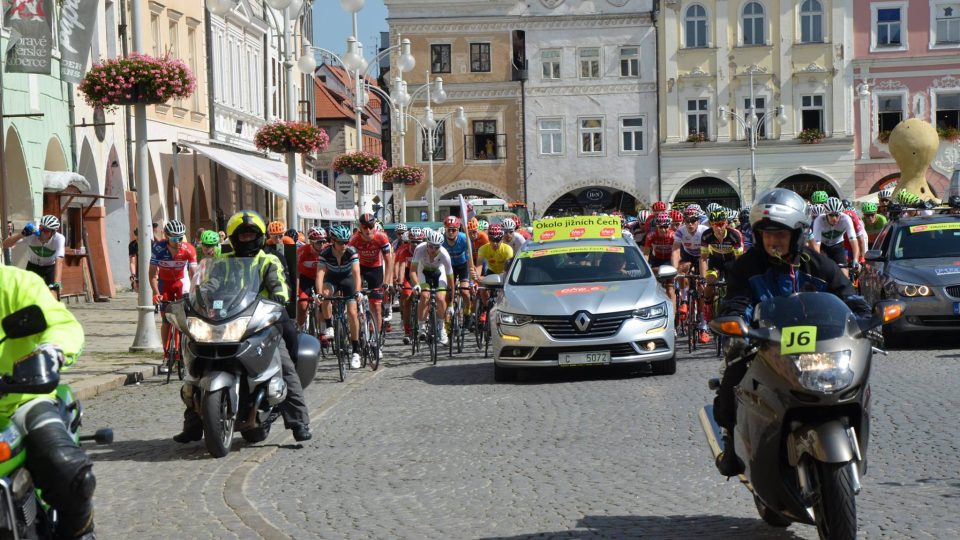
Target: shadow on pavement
(928, 342)
(160, 450)
(703, 527)
(482, 373)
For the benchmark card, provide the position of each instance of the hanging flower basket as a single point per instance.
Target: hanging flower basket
(298, 137)
(363, 163)
(948, 134)
(136, 79)
(811, 136)
(410, 176)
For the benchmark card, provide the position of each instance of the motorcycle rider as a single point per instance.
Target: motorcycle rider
(60, 468)
(247, 233)
(779, 264)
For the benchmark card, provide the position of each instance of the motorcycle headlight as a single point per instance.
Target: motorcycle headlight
(651, 312)
(909, 290)
(824, 372)
(204, 332)
(512, 319)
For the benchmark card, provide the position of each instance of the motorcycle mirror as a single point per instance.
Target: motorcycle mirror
(28, 321)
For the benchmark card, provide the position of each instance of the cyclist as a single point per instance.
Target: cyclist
(209, 245)
(872, 221)
(455, 242)
(477, 237)
(857, 226)
(719, 247)
(338, 269)
(170, 259)
(658, 246)
(883, 200)
(46, 244)
(640, 228)
(685, 256)
(401, 230)
(909, 201)
(819, 197)
(700, 212)
(401, 266)
(829, 231)
(746, 231)
(431, 266)
(276, 239)
(376, 262)
(308, 259)
(510, 236)
(495, 256)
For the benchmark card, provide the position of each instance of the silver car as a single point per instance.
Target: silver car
(581, 303)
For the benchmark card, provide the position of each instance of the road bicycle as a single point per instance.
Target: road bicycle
(719, 293)
(458, 328)
(369, 339)
(414, 323)
(432, 321)
(691, 321)
(172, 353)
(341, 333)
(482, 313)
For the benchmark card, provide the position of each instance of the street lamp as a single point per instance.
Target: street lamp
(750, 124)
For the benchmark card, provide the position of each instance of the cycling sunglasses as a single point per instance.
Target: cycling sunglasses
(721, 223)
(833, 215)
(663, 226)
(366, 227)
(452, 229)
(691, 220)
(175, 239)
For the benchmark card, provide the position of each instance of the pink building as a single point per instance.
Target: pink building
(906, 63)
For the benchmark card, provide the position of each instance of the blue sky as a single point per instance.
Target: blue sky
(332, 26)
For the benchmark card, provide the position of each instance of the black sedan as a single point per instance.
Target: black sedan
(917, 260)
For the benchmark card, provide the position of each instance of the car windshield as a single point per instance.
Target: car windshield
(823, 310)
(578, 264)
(225, 286)
(927, 241)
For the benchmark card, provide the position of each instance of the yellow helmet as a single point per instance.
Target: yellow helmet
(242, 222)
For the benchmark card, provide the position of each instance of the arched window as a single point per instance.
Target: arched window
(696, 24)
(811, 22)
(753, 24)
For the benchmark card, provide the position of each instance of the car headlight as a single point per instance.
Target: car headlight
(824, 372)
(204, 332)
(512, 319)
(651, 312)
(909, 290)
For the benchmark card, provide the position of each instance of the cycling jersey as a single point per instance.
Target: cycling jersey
(516, 243)
(660, 245)
(307, 261)
(873, 229)
(689, 241)
(831, 235)
(44, 253)
(496, 259)
(475, 243)
(438, 264)
(457, 249)
(371, 252)
(171, 266)
(857, 223)
(330, 264)
(720, 251)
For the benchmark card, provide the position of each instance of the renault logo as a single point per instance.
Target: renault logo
(582, 321)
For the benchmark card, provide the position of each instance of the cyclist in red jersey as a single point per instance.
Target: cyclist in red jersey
(402, 265)
(373, 248)
(308, 256)
(858, 228)
(169, 261)
(658, 246)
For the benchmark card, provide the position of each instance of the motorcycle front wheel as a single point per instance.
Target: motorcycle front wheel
(835, 507)
(217, 422)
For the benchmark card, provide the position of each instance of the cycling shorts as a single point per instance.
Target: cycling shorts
(342, 283)
(48, 273)
(170, 290)
(461, 272)
(373, 275)
(837, 253)
(307, 287)
(435, 280)
(688, 258)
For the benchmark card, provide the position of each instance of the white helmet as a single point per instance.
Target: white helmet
(509, 225)
(817, 210)
(833, 206)
(174, 228)
(885, 193)
(434, 238)
(50, 222)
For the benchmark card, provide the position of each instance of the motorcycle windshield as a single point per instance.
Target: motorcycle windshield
(225, 287)
(823, 310)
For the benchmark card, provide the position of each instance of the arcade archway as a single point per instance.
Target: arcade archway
(20, 207)
(706, 190)
(805, 184)
(590, 200)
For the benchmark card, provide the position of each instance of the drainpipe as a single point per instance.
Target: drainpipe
(127, 120)
(523, 130)
(655, 17)
(208, 35)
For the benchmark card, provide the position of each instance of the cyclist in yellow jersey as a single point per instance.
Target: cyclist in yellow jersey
(495, 254)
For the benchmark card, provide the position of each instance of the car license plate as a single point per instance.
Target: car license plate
(956, 308)
(585, 358)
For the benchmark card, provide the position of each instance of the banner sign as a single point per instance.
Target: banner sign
(78, 18)
(934, 227)
(576, 228)
(570, 249)
(31, 35)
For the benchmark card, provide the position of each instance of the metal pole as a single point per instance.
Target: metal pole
(147, 338)
(292, 221)
(403, 157)
(358, 109)
(431, 202)
(753, 142)
(177, 214)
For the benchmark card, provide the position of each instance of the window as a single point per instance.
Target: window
(888, 27)
(811, 112)
(551, 136)
(811, 22)
(550, 62)
(439, 144)
(889, 112)
(485, 139)
(155, 33)
(760, 105)
(589, 63)
(630, 62)
(110, 25)
(948, 111)
(323, 176)
(696, 26)
(479, 57)
(753, 24)
(631, 134)
(591, 135)
(947, 28)
(697, 118)
(192, 63)
(440, 58)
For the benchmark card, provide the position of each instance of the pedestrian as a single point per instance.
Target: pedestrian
(46, 245)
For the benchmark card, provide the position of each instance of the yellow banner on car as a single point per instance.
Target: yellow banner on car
(576, 228)
(935, 227)
(569, 249)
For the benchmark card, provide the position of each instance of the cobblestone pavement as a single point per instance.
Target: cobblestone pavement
(421, 451)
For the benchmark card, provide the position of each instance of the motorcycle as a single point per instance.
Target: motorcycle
(23, 512)
(232, 348)
(803, 408)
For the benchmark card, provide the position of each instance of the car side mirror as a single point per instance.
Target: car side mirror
(666, 273)
(873, 255)
(492, 281)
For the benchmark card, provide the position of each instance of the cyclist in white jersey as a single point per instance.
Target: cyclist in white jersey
(829, 231)
(686, 249)
(46, 250)
(431, 265)
(510, 236)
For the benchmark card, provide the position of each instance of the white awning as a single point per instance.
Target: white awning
(314, 200)
(61, 180)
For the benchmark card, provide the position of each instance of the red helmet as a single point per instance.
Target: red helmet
(676, 216)
(663, 219)
(452, 222)
(495, 232)
(659, 206)
(315, 234)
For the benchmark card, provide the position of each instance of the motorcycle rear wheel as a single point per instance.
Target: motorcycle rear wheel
(217, 424)
(835, 506)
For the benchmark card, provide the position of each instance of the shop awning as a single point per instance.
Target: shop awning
(60, 180)
(314, 200)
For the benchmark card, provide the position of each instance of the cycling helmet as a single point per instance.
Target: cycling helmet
(368, 220)
(276, 227)
(885, 193)
(452, 222)
(745, 214)
(210, 238)
(434, 238)
(401, 228)
(495, 232)
(51, 223)
(954, 201)
(781, 209)
(659, 206)
(643, 216)
(172, 228)
(340, 233)
(663, 219)
(869, 208)
(689, 213)
(819, 197)
(718, 215)
(694, 206)
(246, 221)
(847, 205)
(676, 216)
(316, 234)
(415, 234)
(817, 210)
(732, 215)
(509, 225)
(713, 206)
(833, 206)
(483, 224)
(472, 225)
(906, 198)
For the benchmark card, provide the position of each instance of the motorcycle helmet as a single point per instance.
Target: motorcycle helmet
(819, 197)
(340, 233)
(172, 228)
(781, 209)
(246, 221)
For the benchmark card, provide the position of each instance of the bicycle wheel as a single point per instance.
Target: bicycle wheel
(479, 313)
(414, 327)
(432, 332)
(363, 317)
(691, 322)
(373, 343)
(454, 328)
(340, 339)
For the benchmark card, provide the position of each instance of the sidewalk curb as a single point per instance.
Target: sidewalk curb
(85, 389)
